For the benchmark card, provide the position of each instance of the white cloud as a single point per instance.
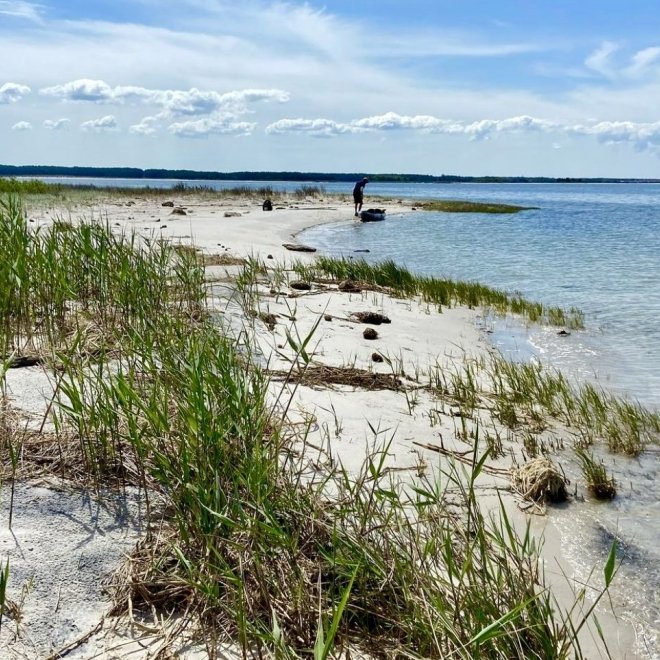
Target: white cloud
(100, 125)
(22, 126)
(486, 127)
(175, 102)
(147, 126)
(391, 121)
(21, 9)
(644, 136)
(314, 127)
(12, 92)
(200, 128)
(57, 124)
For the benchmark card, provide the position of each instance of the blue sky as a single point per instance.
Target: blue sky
(509, 87)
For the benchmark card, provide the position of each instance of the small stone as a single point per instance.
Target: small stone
(163, 226)
(232, 214)
(327, 317)
(301, 286)
(376, 357)
(167, 204)
(370, 333)
(270, 256)
(563, 333)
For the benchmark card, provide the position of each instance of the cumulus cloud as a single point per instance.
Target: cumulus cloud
(391, 121)
(177, 103)
(200, 128)
(643, 136)
(57, 124)
(12, 92)
(22, 126)
(313, 127)
(146, 126)
(100, 125)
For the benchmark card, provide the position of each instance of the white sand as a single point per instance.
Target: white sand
(417, 338)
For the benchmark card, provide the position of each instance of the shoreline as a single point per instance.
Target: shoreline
(416, 338)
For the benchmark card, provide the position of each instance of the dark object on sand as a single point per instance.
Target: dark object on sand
(21, 361)
(564, 333)
(168, 204)
(294, 247)
(178, 210)
(350, 286)
(376, 357)
(370, 333)
(301, 286)
(327, 317)
(267, 205)
(372, 215)
(373, 318)
(232, 214)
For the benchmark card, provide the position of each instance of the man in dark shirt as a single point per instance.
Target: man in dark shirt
(358, 194)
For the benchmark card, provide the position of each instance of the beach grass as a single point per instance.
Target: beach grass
(436, 291)
(276, 554)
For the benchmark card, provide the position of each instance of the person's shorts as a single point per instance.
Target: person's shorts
(357, 198)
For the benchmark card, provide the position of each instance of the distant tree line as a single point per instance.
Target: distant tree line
(137, 173)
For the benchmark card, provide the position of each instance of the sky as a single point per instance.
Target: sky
(470, 87)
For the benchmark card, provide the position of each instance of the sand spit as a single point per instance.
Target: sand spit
(64, 542)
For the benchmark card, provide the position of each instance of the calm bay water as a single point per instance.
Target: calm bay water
(596, 247)
(592, 246)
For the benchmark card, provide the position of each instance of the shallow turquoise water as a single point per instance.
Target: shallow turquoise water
(596, 247)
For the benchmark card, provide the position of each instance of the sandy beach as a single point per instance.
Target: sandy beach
(64, 544)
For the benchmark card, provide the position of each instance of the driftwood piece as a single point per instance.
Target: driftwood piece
(296, 247)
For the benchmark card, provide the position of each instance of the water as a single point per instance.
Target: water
(595, 247)
(592, 246)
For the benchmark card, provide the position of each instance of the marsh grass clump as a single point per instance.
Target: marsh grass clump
(600, 484)
(464, 206)
(309, 191)
(539, 480)
(436, 291)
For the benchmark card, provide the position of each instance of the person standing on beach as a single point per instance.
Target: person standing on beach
(358, 194)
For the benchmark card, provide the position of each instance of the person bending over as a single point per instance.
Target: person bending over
(358, 194)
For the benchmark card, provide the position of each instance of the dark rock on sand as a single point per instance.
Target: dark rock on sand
(167, 204)
(232, 214)
(301, 286)
(370, 333)
(376, 357)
